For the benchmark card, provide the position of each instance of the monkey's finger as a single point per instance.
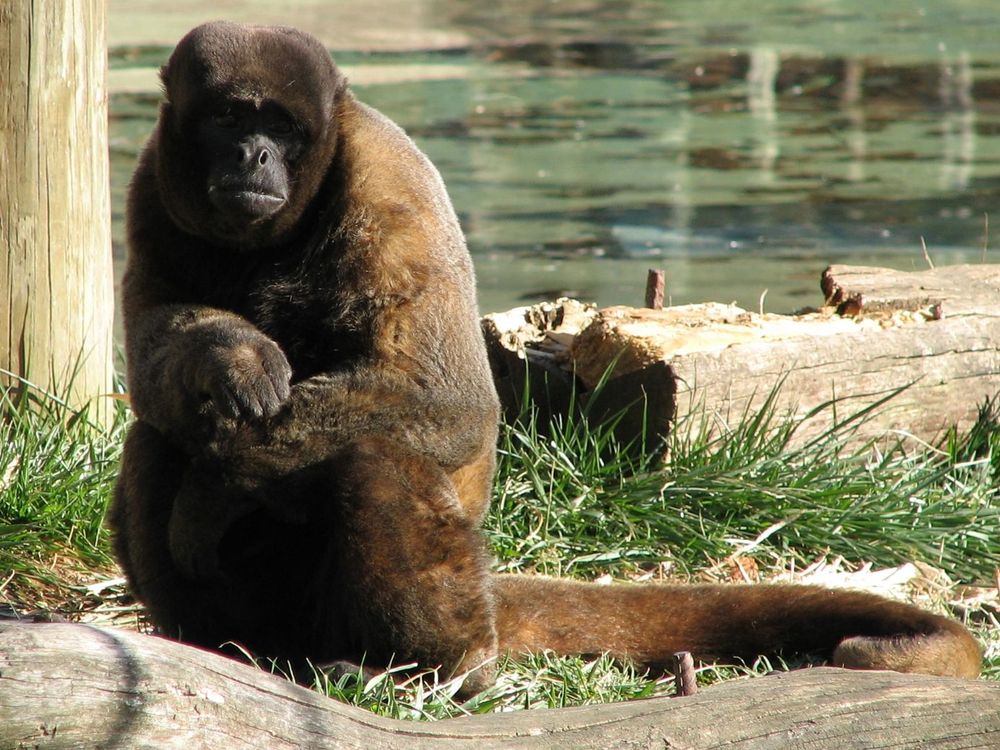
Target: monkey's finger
(276, 376)
(252, 393)
(280, 376)
(269, 396)
(226, 401)
(283, 386)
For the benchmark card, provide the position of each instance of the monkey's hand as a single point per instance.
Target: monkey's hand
(198, 374)
(203, 512)
(206, 506)
(245, 375)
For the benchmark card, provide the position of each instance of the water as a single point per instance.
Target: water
(739, 150)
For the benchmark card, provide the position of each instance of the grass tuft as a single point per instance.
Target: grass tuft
(566, 504)
(56, 474)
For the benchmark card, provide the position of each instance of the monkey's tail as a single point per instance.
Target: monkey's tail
(648, 623)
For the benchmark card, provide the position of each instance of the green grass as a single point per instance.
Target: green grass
(529, 682)
(572, 502)
(56, 475)
(566, 504)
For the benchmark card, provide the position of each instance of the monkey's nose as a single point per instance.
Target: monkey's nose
(249, 152)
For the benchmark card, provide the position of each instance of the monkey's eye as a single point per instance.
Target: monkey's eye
(281, 126)
(225, 120)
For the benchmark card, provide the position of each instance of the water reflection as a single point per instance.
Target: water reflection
(584, 142)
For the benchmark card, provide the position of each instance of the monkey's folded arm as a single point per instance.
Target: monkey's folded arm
(191, 366)
(326, 413)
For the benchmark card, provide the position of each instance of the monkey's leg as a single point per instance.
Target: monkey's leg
(648, 623)
(414, 567)
(151, 473)
(203, 512)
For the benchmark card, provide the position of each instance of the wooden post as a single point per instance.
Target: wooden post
(56, 278)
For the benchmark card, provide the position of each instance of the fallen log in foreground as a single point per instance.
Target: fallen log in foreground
(77, 686)
(932, 335)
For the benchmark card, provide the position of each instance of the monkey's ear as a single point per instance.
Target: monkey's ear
(164, 75)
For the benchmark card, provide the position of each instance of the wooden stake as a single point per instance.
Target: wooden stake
(684, 677)
(655, 285)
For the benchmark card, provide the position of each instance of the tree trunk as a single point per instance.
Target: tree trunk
(933, 336)
(76, 686)
(55, 219)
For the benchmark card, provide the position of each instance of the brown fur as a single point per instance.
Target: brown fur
(316, 422)
(648, 623)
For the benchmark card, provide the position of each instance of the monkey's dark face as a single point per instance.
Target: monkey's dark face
(248, 133)
(251, 154)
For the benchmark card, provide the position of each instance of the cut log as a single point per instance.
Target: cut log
(530, 355)
(934, 336)
(527, 349)
(76, 686)
(960, 290)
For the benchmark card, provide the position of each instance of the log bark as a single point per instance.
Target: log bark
(77, 686)
(932, 335)
(56, 277)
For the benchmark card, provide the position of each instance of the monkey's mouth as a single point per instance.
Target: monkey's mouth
(251, 204)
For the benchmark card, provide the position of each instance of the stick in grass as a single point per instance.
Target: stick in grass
(684, 677)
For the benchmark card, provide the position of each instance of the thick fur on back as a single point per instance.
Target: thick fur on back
(316, 423)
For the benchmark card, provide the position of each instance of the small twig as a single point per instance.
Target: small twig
(927, 255)
(655, 285)
(761, 538)
(682, 665)
(986, 234)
